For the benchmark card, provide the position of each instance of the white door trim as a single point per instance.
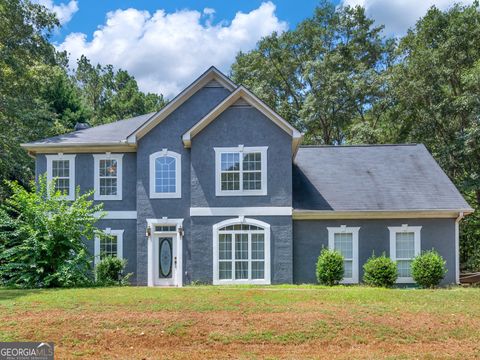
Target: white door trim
(177, 243)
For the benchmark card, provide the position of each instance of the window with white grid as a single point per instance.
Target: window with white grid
(241, 254)
(404, 246)
(109, 245)
(343, 243)
(108, 176)
(61, 173)
(165, 173)
(241, 171)
(345, 240)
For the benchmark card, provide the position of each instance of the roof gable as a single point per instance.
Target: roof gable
(210, 78)
(243, 96)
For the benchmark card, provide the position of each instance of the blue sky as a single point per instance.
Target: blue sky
(166, 44)
(91, 13)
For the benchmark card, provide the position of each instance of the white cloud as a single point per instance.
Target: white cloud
(64, 11)
(399, 15)
(166, 51)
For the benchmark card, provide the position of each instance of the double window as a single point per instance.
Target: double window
(165, 174)
(109, 245)
(61, 170)
(241, 171)
(345, 240)
(404, 246)
(108, 176)
(242, 252)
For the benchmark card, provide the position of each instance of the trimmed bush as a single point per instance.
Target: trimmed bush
(109, 272)
(330, 268)
(428, 269)
(380, 271)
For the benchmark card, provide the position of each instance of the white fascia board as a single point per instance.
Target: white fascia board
(376, 214)
(241, 211)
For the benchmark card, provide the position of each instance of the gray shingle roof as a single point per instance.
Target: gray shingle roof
(371, 178)
(117, 131)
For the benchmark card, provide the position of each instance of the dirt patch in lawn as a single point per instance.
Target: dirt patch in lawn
(308, 329)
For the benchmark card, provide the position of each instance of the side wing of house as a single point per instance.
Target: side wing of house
(364, 200)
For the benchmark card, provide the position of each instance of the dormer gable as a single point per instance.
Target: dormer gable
(242, 97)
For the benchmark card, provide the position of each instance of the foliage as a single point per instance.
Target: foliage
(380, 271)
(110, 95)
(38, 96)
(110, 271)
(428, 269)
(41, 237)
(321, 75)
(330, 268)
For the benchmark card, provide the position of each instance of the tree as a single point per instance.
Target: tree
(110, 95)
(24, 54)
(321, 76)
(42, 237)
(433, 97)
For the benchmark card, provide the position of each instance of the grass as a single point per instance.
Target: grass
(246, 322)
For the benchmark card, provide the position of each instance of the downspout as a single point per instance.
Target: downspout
(457, 246)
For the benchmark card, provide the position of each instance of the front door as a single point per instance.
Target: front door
(165, 263)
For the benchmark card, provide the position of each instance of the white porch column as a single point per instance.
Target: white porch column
(150, 260)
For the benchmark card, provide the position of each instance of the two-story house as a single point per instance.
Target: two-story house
(216, 188)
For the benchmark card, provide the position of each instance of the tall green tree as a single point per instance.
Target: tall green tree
(25, 53)
(111, 95)
(322, 75)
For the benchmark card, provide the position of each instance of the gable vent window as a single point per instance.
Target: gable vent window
(108, 176)
(165, 174)
(241, 171)
(61, 171)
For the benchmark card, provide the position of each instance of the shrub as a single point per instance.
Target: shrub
(109, 271)
(428, 269)
(41, 238)
(380, 271)
(330, 268)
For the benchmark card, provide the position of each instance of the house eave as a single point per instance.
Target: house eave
(79, 148)
(378, 214)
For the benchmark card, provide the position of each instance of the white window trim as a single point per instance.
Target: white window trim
(71, 159)
(96, 181)
(243, 221)
(108, 231)
(354, 231)
(178, 175)
(393, 248)
(240, 149)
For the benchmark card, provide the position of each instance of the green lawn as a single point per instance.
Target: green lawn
(246, 322)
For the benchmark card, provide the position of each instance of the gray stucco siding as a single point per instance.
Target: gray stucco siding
(129, 241)
(249, 127)
(168, 135)
(84, 177)
(310, 236)
(198, 248)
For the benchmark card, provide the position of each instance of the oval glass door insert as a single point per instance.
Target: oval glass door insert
(165, 255)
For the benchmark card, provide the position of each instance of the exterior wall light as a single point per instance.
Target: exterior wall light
(149, 231)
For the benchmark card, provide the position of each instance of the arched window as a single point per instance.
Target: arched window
(165, 174)
(241, 252)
